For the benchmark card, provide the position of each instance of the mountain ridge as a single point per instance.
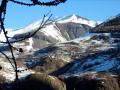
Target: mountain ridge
(60, 30)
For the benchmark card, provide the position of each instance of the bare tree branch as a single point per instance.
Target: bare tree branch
(36, 2)
(22, 3)
(11, 50)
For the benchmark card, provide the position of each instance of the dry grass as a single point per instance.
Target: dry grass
(41, 82)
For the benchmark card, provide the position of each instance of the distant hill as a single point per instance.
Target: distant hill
(110, 25)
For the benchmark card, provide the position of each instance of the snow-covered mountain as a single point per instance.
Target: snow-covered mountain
(60, 30)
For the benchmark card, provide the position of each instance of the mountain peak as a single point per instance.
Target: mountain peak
(74, 16)
(77, 19)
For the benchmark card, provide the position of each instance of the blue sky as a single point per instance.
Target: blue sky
(18, 16)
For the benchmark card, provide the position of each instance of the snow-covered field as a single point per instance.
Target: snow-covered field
(8, 72)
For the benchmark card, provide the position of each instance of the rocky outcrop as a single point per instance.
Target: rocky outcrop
(72, 30)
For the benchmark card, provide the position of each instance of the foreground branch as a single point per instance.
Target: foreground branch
(11, 50)
(36, 2)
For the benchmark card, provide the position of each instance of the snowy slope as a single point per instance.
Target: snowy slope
(8, 72)
(101, 63)
(51, 31)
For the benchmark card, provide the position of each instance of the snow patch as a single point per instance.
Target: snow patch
(51, 31)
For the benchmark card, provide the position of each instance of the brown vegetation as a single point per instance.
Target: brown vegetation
(101, 81)
(40, 82)
(87, 81)
(50, 65)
